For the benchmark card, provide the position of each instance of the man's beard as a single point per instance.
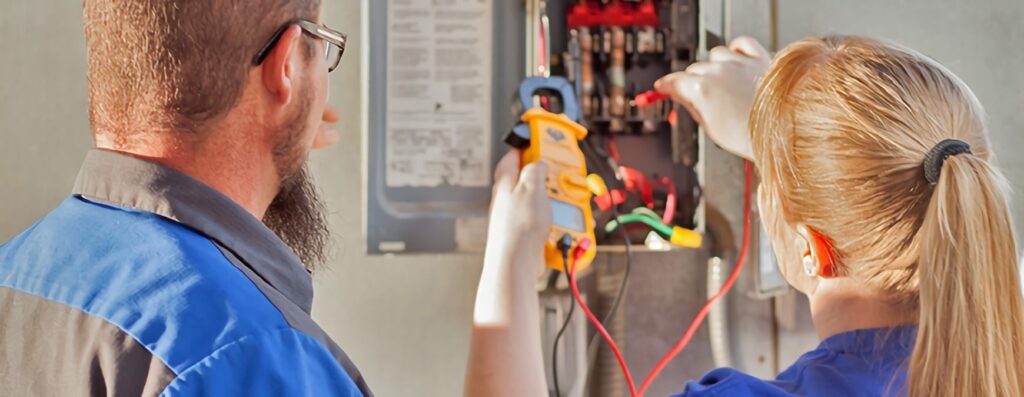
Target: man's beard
(297, 216)
(297, 213)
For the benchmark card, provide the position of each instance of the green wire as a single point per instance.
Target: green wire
(646, 211)
(640, 217)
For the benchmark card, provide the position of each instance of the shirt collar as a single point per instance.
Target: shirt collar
(895, 340)
(142, 185)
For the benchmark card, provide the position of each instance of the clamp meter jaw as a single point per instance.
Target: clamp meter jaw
(555, 139)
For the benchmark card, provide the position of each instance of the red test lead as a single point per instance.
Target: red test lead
(649, 98)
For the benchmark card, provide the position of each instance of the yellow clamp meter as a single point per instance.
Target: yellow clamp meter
(555, 139)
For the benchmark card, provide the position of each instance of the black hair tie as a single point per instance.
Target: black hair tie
(937, 157)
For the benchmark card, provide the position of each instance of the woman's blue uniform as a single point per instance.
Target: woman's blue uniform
(870, 362)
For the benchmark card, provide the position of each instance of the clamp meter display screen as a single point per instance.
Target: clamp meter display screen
(567, 216)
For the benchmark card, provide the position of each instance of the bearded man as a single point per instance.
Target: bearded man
(181, 263)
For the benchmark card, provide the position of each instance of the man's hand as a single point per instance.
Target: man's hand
(505, 357)
(327, 135)
(719, 93)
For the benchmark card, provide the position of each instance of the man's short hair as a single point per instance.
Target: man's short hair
(174, 64)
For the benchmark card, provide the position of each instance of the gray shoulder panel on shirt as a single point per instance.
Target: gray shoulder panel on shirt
(50, 349)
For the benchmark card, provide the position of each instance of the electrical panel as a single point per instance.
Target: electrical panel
(647, 153)
(442, 81)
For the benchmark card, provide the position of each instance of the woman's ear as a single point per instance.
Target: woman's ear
(819, 257)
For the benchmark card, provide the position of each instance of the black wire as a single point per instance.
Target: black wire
(552, 279)
(625, 240)
(599, 158)
(568, 317)
(625, 279)
(629, 253)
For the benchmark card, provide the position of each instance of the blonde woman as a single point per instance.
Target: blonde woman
(883, 208)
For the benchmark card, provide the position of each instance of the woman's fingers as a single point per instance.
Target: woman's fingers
(749, 47)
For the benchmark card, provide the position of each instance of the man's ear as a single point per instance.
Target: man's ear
(819, 247)
(278, 70)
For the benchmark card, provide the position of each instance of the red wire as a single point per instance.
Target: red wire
(697, 321)
(721, 292)
(670, 200)
(613, 150)
(604, 333)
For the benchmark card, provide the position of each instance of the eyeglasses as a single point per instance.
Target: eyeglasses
(334, 42)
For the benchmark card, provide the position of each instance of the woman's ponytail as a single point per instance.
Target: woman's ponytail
(971, 333)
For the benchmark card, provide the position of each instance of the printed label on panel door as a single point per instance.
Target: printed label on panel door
(439, 93)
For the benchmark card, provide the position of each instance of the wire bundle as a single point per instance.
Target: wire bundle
(694, 325)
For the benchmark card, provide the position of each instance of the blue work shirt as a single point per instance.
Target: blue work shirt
(870, 362)
(148, 282)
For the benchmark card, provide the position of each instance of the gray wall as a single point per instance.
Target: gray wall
(405, 319)
(43, 126)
